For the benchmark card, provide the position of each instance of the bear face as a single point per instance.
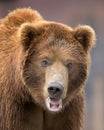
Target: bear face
(56, 62)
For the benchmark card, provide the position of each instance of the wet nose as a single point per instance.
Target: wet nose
(55, 90)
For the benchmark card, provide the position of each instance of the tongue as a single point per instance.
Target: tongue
(54, 104)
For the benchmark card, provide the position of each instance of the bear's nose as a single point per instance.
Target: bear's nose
(55, 90)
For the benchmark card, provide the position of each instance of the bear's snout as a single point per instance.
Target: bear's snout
(55, 90)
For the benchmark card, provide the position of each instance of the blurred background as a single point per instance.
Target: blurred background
(72, 13)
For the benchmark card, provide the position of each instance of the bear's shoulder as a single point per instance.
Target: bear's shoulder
(20, 16)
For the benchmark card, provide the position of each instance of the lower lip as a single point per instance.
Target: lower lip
(53, 109)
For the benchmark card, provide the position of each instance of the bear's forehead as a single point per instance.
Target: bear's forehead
(57, 48)
(57, 30)
(58, 34)
(60, 42)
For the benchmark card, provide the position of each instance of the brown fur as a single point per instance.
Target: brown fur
(25, 38)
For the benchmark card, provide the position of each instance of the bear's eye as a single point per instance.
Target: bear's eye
(44, 63)
(69, 65)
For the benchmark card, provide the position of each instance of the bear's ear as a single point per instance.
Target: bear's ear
(28, 33)
(86, 36)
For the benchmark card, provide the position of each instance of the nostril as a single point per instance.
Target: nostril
(50, 88)
(58, 90)
(55, 89)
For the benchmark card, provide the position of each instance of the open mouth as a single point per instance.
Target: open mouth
(54, 104)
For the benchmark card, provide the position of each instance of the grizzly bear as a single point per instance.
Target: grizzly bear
(43, 69)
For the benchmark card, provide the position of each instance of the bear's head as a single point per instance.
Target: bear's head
(56, 60)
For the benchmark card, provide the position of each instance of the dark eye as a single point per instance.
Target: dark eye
(44, 63)
(69, 65)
